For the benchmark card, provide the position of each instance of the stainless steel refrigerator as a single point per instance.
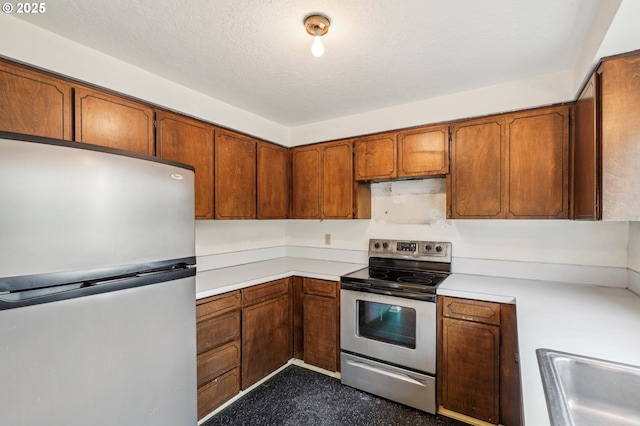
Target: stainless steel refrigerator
(97, 286)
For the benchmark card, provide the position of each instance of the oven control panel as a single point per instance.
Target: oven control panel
(418, 250)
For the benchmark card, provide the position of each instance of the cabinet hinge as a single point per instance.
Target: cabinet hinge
(155, 124)
(516, 358)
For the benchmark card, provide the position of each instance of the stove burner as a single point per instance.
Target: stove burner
(379, 273)
(415, 279)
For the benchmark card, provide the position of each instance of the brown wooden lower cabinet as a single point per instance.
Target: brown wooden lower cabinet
(245, 335)
(218, 348)
(218, 391)
(320, 317)
(478, 375)
(266, 329)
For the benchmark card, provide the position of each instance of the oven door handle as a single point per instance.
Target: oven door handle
(427, 297)
(392, 374)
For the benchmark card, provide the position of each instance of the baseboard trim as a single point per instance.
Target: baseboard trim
(292, 361)
(463, 418)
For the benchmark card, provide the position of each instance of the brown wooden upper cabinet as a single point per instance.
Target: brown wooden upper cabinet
(273, 181)
(306, 183)
(513, 166)
(423, 151)
(475, 187)
(586, 193)
(337, 180)
(606, 175)
(34, 103)
(235, 176)
(417, 152)
(375, 157)
(322, 184)
(189, 141)
(538, 173)
(113, 121)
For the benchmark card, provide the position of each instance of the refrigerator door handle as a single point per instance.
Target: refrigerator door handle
(18, 299)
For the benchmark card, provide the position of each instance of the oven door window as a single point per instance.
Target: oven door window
(387, 323)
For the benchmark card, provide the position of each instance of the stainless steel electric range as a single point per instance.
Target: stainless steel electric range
(388, 321)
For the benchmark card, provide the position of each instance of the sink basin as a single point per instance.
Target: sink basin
(584, 391)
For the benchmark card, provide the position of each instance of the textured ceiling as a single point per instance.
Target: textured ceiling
(379, 53)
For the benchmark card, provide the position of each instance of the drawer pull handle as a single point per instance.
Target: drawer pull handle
(391, 374)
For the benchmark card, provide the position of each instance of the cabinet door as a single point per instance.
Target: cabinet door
(191, 142)
(305, 182)
(235, 176)
(538, 171)
(273, 181)
(34, 103)
(113, 121)
(375, 157)
(620, 128)
(423, 152)
(320, 330)
(475, 187)
(470, 376)
(266, 338)
(217, 391)
(337, 180)
(586, 193)
(217, 331)
(218, 361)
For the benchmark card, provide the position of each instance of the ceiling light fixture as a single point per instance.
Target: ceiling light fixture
(317, 26)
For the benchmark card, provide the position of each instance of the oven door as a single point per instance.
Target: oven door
(392, 329)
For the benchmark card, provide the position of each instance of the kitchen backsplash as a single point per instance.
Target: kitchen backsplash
(606, 244)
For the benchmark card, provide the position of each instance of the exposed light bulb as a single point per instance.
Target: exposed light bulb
(317, 48)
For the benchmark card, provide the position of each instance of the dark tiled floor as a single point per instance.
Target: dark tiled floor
(298, 396)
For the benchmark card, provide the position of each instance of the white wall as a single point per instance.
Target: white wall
(416, 210)
(544, 90)
(634, 257)
(221, 236)
(588, 56)
(634, 246)
(623, 34)
(32, 45)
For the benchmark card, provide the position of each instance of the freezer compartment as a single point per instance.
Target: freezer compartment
(397, 384)
(78, 207)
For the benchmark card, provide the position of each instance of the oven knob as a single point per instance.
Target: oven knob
(429, 247)
(438, 249)
(385, 245)
(377, 245)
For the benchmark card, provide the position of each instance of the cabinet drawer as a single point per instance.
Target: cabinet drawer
(218, 361)
(261, 292)
(471, 310)
(319, 287)
(216, 305)
(217, 330)
(217, 391)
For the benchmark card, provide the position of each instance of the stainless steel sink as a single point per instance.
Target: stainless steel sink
(584, 391)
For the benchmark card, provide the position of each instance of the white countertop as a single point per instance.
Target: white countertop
(602, 322)
(217, 281)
